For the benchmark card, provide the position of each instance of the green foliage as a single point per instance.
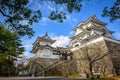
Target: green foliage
(9, 43)
(70, 5)
(74, 76)
(10, 48)
(60, 16)
(19, 16)
(113, 12)
(108, 78)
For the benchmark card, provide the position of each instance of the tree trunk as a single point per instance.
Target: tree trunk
(9, 66)
(104, 70)
(91, 73)
(9, 71)
(43, 72)
(1, 69)
(33, 71)
(90, 66)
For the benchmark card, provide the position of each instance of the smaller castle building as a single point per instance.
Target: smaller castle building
(42, 48)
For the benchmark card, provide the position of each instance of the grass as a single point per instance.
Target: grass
(101, 77)
(110, 78)
(117, 77)
(74, 76)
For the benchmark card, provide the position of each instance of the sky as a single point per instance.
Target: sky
(62, 31)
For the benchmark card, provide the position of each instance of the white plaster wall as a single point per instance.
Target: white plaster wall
(88, 25)
(99, 25)
(109, 35)
(44, 43)
(78, 31)
(46, 53)
(98, 32)
(85, 36)
(95, 41)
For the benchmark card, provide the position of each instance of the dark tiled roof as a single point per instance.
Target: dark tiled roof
(45, 38)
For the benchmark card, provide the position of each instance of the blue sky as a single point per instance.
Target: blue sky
(62, 31)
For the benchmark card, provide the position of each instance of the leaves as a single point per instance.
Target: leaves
(10, 44)
(57, 16)
(17, 11)
(10, 48)
(69, 5)
(113, 13)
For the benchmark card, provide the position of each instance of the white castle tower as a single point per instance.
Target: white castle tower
(90, 30)
(42, 47)
(90, 33)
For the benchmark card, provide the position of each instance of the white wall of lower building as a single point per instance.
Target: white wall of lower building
(46, 53)
(44, 43)
(95, 41)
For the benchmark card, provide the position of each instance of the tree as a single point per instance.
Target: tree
(10, 49)
(114, 50)
(69, 6)
(67, 68)
(113, 12)
(22, 66)
(19, 15)
(15, 12)
(91, 54)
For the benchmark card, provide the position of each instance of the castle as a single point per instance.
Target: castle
(92, 44)
(42, 48)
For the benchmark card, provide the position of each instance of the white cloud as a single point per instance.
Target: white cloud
(118, 20)
(50, 6)
(27, 43)
(118, 35)
(61, 41)
(24, 22)
(51, 35)
(71, 32)
(27, 54)
(71, 19)
(86, 2)
(44, 21)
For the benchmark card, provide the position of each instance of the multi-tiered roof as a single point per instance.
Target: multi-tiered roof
(44, 38)
(42, 42)
(43, 45)
(89, 30)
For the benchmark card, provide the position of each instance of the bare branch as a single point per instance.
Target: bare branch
(99, 58)
(4, 13)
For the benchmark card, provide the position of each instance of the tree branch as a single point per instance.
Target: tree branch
(4, 13)
(8, 4)
(99, 58)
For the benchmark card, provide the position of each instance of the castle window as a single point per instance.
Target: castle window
(76, 45)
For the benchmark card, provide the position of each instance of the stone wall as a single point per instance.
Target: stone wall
(102, 66)
(53, 67)
(109, 64)
(114, 51)
(67, 67)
